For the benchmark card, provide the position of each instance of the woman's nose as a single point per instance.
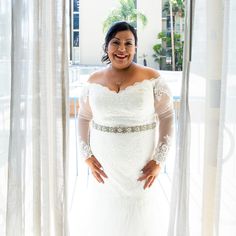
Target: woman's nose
(122, 47)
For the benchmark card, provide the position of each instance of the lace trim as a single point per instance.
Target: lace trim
(159, 88)
(85, 150)
(162, 150)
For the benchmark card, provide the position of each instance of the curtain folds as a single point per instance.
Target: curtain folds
(37, 152)
(5, 92)
(226, 155)
(204, 192)
(179, 209)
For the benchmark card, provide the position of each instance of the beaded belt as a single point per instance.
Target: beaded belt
(123, 129)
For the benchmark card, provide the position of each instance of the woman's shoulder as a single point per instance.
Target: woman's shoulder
(148, 72)
(96, 76)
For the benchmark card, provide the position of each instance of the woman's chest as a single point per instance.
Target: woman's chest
(136, 99)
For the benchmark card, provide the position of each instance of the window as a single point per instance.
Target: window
(74, 31)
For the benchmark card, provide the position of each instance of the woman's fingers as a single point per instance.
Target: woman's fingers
(98, 173)
(99, 167)
(98, 177)
(151, 182)
(146, 167)
(144, 176)
(95, 167)
(97, 163)
(150, 172)
(149, 179)
(101, 172)
(149, 166)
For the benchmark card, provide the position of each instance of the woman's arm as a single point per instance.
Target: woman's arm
(84, 118)
(165, 112)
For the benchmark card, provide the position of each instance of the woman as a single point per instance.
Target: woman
(121, 109)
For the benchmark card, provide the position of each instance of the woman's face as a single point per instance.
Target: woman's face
(121, 49)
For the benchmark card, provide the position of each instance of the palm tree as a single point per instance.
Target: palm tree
(174, 8)
(178, 7)
(161, 50)
(126, 11)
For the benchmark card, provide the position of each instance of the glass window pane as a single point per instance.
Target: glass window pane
(76, 5)
(76, 39)
(76, 21)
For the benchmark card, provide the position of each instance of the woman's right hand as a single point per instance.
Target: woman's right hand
(96, 169)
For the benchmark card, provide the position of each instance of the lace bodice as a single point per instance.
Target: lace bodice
(139, 104)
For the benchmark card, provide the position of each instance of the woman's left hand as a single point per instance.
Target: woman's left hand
(150, 172)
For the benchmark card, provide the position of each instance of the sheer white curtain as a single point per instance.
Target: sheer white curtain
(209, 189)
(34, 88)
(5, 91)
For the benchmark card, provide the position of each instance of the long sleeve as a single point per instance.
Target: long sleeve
(164, 110)
(84, 118)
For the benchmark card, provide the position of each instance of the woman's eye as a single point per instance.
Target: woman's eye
(129, 44)
(115, 43)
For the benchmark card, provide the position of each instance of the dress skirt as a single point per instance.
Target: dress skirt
(120, 206)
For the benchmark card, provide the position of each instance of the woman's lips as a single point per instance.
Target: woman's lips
(121, 56)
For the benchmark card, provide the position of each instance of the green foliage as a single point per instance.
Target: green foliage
(160, 53)
(163, 50)
(162, 36)
(126, 11)
(178, 7)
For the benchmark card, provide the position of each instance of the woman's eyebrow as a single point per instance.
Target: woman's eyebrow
(124, 40)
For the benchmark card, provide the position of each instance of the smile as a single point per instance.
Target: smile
(121, 56)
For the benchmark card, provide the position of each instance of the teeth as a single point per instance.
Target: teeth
(120, 56)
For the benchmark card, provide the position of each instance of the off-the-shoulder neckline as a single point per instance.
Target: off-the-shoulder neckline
(126, 88)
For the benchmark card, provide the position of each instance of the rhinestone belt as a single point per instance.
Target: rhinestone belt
(123, 129)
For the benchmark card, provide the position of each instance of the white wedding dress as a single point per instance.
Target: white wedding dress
(123, 137)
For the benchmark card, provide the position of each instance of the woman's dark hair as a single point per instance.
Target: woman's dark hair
(114, 29)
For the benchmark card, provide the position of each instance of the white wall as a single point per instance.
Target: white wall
(92, 15)
(147, 36)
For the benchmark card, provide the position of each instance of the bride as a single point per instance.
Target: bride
(125, 129)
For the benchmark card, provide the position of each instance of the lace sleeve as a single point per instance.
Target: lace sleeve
(84, 118)
(164, 110)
